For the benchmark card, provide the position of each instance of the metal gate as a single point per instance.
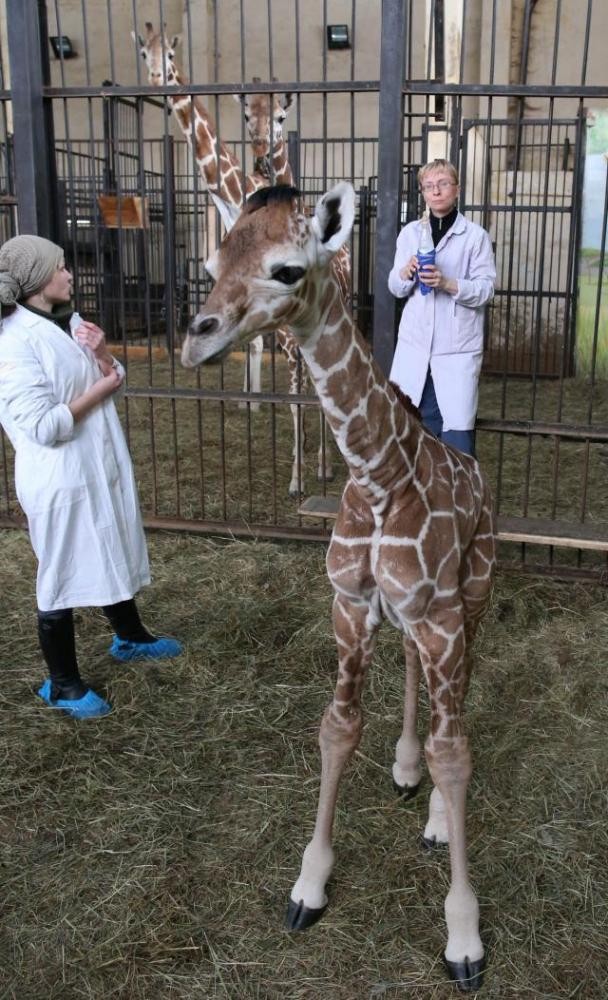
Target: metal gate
(526, 192)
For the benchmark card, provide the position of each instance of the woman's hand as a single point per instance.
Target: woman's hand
(408, 272)
(99, 391)
(111, 382)
(434, 278)
(92, 336)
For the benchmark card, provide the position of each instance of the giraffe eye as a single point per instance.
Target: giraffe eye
(246, 117)
(145, 55)
(288, 275)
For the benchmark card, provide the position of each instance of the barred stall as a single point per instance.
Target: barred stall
(97, 154)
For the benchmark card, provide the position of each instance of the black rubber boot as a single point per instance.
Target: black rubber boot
(56, 636)
(124, 619)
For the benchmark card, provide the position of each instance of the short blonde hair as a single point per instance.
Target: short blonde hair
(438, 165)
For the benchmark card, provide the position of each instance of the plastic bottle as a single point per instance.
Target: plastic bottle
(426, 251)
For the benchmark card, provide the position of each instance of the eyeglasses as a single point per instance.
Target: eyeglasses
(442, 185)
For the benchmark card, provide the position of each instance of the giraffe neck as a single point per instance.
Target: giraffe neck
(376, 435)
(219, 169)
(280, 164)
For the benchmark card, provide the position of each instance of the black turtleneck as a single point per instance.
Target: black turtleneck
(61, 315)
(439, 227)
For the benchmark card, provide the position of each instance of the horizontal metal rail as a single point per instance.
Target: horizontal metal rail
(422, 87)
(222, 395)
(529, 428)
(533, 428)
(210, 89)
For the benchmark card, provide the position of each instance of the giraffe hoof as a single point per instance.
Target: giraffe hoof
(430, 843)
(467, 975)
(299, 917)
(406, 792)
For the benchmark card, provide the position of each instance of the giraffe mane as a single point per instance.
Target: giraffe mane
(278, 194)
(405, 401)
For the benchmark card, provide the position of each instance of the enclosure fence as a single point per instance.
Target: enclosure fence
(95, 153)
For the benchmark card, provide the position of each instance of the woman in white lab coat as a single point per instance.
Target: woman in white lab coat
(73, 473)
(439, 349)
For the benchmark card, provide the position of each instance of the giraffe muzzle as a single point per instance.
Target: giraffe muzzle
(204, 343)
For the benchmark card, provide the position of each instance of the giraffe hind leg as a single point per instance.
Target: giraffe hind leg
(407, 772)
(442, 646)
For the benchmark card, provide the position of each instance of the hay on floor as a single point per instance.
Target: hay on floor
(150, 855)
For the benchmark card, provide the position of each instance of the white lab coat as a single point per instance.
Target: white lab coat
(74, 481)
(440, 330)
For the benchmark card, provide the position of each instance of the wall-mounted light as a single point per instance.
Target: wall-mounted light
(337, 36)
(62, 46)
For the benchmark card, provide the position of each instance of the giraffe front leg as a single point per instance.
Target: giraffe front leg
(298, 382)
(406, 769)
(252, 381)
(355, 628)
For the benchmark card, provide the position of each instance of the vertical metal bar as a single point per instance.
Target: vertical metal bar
(169, 247)
(390, 134)
(363, 318)
(576, 232)
(293, 155)
(438, 46)
(34, 137)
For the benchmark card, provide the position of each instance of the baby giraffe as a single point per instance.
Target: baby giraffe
(413, 541)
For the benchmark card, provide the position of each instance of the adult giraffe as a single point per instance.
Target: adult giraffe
(223, 177)
(264, 116)
(413, 541)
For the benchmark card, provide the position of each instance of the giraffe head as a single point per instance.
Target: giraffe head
(271, 270)
(264, 117)
(158, 53)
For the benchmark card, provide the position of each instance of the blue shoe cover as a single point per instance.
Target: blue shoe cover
(161, 649)
(90, 706)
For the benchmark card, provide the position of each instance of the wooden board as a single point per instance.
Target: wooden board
(127, 212)
(533, 530)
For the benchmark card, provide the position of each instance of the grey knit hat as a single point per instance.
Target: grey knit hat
(27, 264)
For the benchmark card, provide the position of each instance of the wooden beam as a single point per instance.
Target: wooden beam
(532, 530)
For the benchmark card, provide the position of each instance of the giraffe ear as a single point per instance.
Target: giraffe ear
(138, 39)
(333, 218)
(239, 98)
(228, 213)
(212, 265)
(286, 102)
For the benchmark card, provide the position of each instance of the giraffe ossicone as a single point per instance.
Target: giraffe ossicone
(413, 541)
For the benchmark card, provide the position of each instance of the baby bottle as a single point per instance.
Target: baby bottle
(426, 251)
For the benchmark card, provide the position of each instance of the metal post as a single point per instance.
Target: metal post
(34, 136)
(363, 297)
(293, 156)
(170, 249)
(390, 146)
